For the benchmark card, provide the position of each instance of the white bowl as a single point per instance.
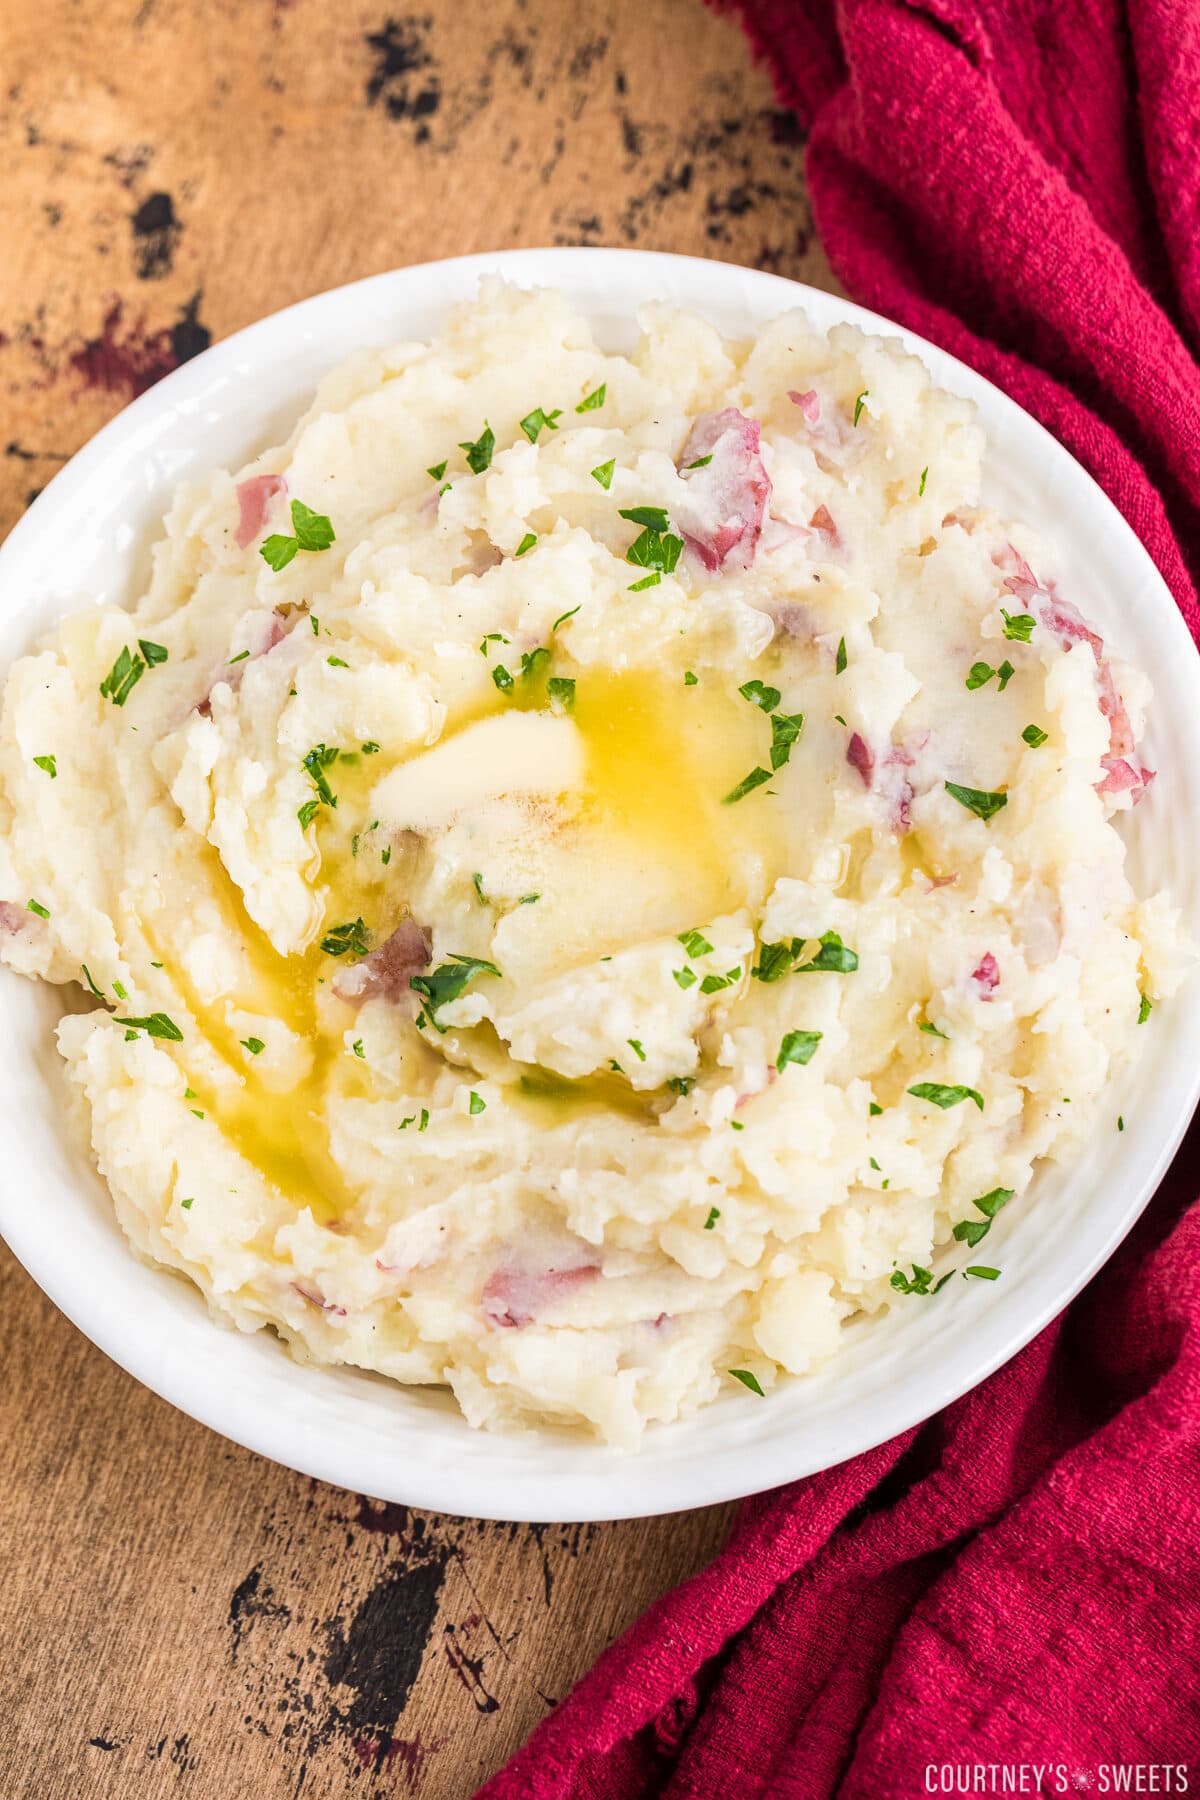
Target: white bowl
(88, 537)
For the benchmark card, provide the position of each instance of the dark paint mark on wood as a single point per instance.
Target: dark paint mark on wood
(377, 1656)
(156, 234)
(404, 77)
(469, 1670)
(103, 1743)
(252, 1598)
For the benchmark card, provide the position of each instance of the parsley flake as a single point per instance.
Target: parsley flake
(943, 1096)
(335, 662)
(156, 1025)
(493, 637)
(797, 1047)
(970, 1231)
(477, 882)
(48, 764)
(311, 531)
(981, 673)
(932, 1030)
(87, 975)
(714, 1214)
(701, 462)
(350, 937)
(695, 943)
(647, 581)
(254, 1045)
(684, 978)
(357, 1047)
(502, 678)
(920, 1282)
(1018, 626)
(476, 1104)
(1034, 736)
(594, 401)
(653, 517)
(437, 471)
(689, 680)
(122, 678)
(448, 981)
(479, 454)
(981, 1272)
(839, 667)
(746, 785)
(757, 694)
(636, 1047)
(1006, 673)
(534, 423)
(924, 479)
(186, 1204)
(1145, 1008)
(859, 404)
(980, 801)
(563, 617)
(748, 1379)
(603, 473)
(35, 906)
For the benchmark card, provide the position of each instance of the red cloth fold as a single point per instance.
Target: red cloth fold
(1018, 1581)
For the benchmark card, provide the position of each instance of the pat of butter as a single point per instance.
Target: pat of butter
(535, 754)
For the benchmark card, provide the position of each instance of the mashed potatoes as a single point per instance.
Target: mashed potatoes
(592, 871)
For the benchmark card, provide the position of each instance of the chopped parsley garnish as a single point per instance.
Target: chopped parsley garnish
(681, 1084)
(921, 1281)
(48, 764)
(493, 637)
(785, 729)
(701, 462)
(479, 454)
(924, 478)
(1120, 1121)
(318, 759)
(254, 1045)
(757, 694)
(448, 981)
(1034, 736)
(874, 1110)
(357, 1047)
(636, 1047)
(122, 678)
(437, 471)
(424, 1121)
(153, 653)
(594, 401)
(1145, 1007)
(315, 623)
(684, 978)
(1006, 673)
(120, 990)
(736, 1125)
(714, 1214)
(335, 662)
(981, 1272)
(1018, 626)
(534, 423)
(980, 674)
(502, 678)
(186, 1204)
(970, 1231)
(240, 657)
(942, 1095)
(563, 617)
(156, 1025)
(405, 1123)
(797, 1047)
(839, 667)
(615, 1066)
(748, 1379)
(87, 975)
(370, 748)
(932, 1030)
(833, 957)
(312, 531)
(603, 473)
(653, 517)
(35, 906)
(712, 984)
(560, 691)
(746, 785)
(385, 855)
(874, 1165)
(350, 937)
(647, 581)
(477, 881)
(655, 547)
(859, 404)
(528, 899)
(531, 659)
(695, 943)
(476, 1104)
(980, 801)
(689, 680)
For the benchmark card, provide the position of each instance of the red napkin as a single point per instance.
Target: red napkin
(1018, 1581)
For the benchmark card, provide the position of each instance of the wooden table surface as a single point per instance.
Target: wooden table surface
(178, 1616)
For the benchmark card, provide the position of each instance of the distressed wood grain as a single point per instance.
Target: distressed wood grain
(179, 1616)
